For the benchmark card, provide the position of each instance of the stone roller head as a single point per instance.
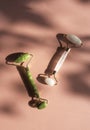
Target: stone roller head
(71, 40)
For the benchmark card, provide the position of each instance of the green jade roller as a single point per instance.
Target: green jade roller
(27, 78)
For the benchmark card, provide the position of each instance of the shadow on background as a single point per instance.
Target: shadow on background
(20, 37)
(17, 11)
(86, 38)
(8, 109)
(13, 40)
(79, 82)
(84, 1)
(21, 11)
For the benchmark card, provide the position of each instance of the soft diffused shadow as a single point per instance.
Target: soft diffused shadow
(77, 84)
(8, 109)
(84, 1)
(17, 10)
(85, 38)
(21, 37)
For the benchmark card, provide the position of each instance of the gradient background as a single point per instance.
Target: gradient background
(31, 26)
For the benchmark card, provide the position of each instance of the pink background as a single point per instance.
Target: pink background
(31, 26)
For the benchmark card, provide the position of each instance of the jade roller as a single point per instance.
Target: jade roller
(27, 78)
(71, 41)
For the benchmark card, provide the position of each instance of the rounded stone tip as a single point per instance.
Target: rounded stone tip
(50, 82)
(74, 40)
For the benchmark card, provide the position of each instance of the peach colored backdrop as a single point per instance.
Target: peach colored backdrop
(31, 26)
